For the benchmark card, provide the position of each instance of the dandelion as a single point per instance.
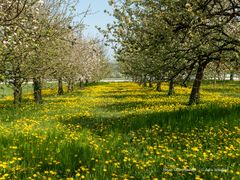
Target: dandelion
(13, 147)
(195, 149)
(198, 177)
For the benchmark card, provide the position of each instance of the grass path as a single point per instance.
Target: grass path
(122, 131)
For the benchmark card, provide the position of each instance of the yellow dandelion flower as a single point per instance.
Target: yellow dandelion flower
(195, 149)
(13, 147)
(198, 177)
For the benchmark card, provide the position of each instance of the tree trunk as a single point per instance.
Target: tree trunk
(215, 79)
(195, 94)
(171, 90)
(134, 79)
(219, 76)
(159, 88)
(60, 86)
(70, 85)
(231, 76)
(17, 91)
(224, 76)
(86, 82)
(150, 83)
(37, 90)
(145, 81)
(81, 84)
(140, 81)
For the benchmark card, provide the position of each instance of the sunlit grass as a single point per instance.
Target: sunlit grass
(122, 131)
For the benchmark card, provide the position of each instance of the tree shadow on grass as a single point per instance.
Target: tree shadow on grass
(225, 88)
(144, 96)
(228, 92)
(179, 120)
(122, 106)
(134, 105)
(122, 96)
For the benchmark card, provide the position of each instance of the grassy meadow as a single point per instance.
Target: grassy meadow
(122, 131)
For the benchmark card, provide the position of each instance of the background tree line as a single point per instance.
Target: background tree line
(175, 41)
(42, 39)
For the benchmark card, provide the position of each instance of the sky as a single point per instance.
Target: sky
(97, 17)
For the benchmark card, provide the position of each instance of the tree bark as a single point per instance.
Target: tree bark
(195, 94)
(231, 76)
(215, 79)
(140, 82)
(81, 84)
(70, 85)
(134, 79)
(150, 83)
(37, 90)
(60, 86)
(159, 88)
(171, 90)
(17, 91)
(219, 77)
(145, 81)
(224, 76)
(86, 82)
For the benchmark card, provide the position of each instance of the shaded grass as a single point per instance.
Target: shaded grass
(98, 133)
(180, 120)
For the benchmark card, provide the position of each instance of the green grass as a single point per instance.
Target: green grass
(120, 130)
(6, 90)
